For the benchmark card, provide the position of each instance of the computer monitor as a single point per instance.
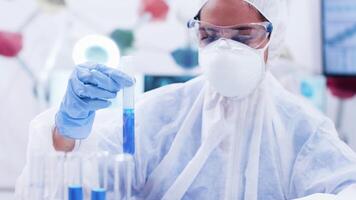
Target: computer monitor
(339, 37)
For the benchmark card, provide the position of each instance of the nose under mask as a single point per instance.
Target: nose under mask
(232, 68)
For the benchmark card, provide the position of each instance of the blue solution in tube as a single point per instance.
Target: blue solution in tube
(98, 194)
(129, 131)
(75, 192)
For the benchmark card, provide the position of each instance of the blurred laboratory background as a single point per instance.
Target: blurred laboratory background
(42, 40)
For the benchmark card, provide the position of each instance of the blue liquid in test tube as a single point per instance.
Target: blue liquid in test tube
(129, 120)
(73, 168)
(98, 194)
(75, 192)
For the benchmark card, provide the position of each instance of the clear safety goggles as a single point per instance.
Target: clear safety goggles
(254, 35)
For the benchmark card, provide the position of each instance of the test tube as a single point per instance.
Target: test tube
(54, 184)
(102, 169)
(129, 120)
(35, 188)
(98, 166)
(74, 176)
(126, 164)
(123, 176)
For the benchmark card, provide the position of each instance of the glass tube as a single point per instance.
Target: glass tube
(123, 169)
(35, 185)
(54, 180)
(74, 177)
(128, 105)
(98, 167)
(129, 120)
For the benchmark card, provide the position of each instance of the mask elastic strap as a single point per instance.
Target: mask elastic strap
(265, 47)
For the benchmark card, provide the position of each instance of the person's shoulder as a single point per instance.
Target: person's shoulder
(294, 107)
(299, 118)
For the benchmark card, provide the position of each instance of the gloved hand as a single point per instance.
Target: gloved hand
(89, 89)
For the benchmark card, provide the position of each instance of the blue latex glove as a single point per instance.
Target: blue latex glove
(89, 89)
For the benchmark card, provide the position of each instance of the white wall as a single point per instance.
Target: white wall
(303, 36)
(17, 103)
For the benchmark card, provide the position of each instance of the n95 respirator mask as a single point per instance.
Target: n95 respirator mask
(232, 69)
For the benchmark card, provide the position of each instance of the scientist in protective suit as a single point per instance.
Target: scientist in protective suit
(233, 133)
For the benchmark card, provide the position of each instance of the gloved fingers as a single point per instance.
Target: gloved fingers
(93, 92)
(96, 104)
(97, 78)
(119, 77)
(87, 65)
(90, 91)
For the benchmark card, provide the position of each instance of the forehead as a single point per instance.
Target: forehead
(230, 12)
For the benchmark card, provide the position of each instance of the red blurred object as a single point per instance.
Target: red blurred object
(10, 44)
(157, 8)
(342, 87)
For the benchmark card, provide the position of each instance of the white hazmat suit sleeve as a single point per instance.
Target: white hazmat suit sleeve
(324, 164)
